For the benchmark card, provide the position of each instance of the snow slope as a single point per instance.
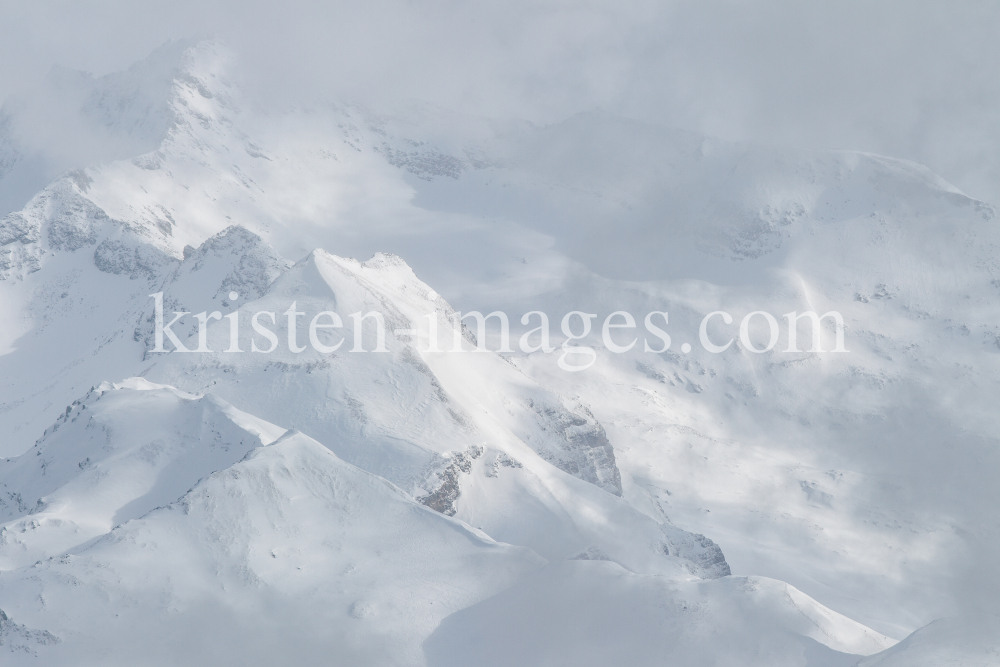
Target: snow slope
(609, 615)
(465, 432)
(114, 456)
(864, 480)
(319, 559)
(969, 641)
(284, 552)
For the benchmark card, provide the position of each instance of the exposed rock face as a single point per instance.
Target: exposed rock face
(18, 638)
(234, 260)
(424, 165)
(73, 223)
(579, 445)
(16, 227)
(444, 497)
(503, 460)
(19, 259)
(69, 219)
(131, 258)
(62, 218)
(251, 262)
(705, 555)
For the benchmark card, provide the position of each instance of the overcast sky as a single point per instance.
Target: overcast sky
(915, 80)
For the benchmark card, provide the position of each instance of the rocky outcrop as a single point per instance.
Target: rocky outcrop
(443, 498)
(577, 444)
(17, 638)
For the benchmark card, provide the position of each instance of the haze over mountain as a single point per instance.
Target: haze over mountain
(430, 507)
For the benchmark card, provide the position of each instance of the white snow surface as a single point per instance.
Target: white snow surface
(287, 553)
(421, 507)
(955, 641)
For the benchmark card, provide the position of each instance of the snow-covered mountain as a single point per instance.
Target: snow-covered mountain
(314, 557)
(420, 506)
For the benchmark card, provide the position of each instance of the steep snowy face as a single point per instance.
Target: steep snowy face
(73, 276)
(152, 106)
(285, 551)
(318, 557)
(71, 120)
(862, 478)
(511, 200)
(833, 462)
(119, 452)
(463, 431)
(87, 315)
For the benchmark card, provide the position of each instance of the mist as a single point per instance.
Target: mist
(544, 158)
(911, 81)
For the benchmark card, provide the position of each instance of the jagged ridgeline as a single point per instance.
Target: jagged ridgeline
(412, 507)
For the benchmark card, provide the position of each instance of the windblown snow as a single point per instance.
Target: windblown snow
(419, 506)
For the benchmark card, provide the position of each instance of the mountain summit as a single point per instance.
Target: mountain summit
(320, 461)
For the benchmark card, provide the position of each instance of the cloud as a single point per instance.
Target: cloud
(913, 80)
